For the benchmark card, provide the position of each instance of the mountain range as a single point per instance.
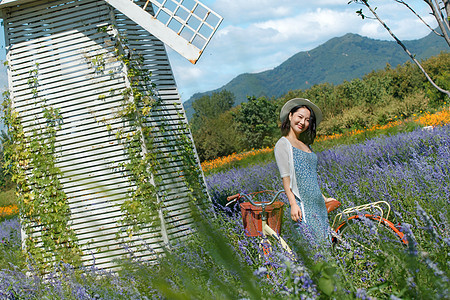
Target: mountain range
(341, 58)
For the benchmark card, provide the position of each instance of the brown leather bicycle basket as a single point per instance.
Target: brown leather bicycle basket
(251, 217)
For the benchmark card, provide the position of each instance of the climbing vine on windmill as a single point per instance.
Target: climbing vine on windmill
(104, 108)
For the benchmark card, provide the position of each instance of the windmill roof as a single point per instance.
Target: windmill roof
(6, 3)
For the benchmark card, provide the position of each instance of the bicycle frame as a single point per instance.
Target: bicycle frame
(267, 231)
(340, 220)
(379, 210)
(374, 205)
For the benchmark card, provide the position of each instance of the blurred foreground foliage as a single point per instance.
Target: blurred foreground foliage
(220, 262)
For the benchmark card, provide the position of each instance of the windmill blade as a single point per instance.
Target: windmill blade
(186, 26)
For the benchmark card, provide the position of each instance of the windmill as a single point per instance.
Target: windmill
(73, 56)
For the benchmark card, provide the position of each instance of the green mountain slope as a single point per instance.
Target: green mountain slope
(339, 59)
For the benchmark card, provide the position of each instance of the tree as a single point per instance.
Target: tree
(209, 107)
(217, 137)
(212, 125)
(257, 122)
(441, 12)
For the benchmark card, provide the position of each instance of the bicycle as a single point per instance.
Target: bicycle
(368, 222)
(258, 221)
(264, 219)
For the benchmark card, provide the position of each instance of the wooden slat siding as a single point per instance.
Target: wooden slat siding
(89, 154)
(82, 105)
(48, 66)
(85, 202)
(47, 63)
(136, 36)
(56, 19)
(63, 38)
(74, 83)
(72, 41)
(44, 17)
(49, 77)
(78, 166)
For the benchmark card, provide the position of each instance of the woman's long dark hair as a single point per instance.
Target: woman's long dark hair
(306, 136)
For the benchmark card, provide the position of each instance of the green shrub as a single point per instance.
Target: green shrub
(356, 117)
(401, 109)
(8, 198)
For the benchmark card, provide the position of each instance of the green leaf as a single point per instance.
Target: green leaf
(326, 286)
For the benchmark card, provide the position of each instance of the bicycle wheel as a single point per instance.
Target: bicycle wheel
(367, 233)
(366, 246)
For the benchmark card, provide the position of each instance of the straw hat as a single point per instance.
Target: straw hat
(300, 101)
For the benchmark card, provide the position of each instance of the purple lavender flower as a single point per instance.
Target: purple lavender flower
(10, 232)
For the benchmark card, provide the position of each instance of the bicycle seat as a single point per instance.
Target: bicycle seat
(332, 205)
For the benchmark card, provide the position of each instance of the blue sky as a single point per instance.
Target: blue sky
(258, 35)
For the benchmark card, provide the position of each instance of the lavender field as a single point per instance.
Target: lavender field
(410, 171)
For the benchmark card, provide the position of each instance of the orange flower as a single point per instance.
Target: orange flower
(221, 161)
(8, 210)
(437, 119)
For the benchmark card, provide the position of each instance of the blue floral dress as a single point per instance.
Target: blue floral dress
(315, 217)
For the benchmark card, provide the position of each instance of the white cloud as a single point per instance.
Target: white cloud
(245, 12)
(404, 24)
(239, 12)
(310, 26)
(193, 73)
(257, 35)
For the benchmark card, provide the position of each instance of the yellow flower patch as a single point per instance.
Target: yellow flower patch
(9, 210)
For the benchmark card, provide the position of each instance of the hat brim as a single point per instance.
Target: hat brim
(288, 106)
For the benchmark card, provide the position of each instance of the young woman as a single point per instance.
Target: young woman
(298, 167)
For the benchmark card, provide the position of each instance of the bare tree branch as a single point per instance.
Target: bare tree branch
(435, 13)
(447, 12)
(439, 18)
(418, 16)
(445, 8)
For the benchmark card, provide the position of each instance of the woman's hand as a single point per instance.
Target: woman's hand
(296, 212)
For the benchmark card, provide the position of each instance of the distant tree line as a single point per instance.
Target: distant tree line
(379, 97)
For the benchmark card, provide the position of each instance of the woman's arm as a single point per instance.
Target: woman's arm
(296, 212)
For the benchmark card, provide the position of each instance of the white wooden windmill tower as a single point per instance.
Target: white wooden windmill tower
(73, 56)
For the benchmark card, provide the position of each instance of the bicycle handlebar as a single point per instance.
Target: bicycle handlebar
(262, 204)
(332, 205)
(230, 198)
